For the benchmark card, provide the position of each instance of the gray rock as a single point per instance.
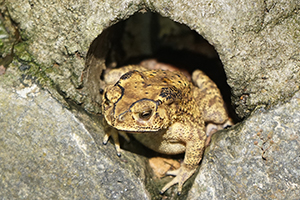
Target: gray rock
(257, 159)
(47, 153)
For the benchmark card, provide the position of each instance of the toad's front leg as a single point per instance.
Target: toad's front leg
(114, 134)
(195, 144)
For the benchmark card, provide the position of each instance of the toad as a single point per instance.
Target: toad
(165, 112)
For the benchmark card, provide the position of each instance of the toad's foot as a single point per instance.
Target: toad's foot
(211, 128)
(114, 134)
(182, 174)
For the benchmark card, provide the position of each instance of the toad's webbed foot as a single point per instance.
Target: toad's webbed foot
(182, 175)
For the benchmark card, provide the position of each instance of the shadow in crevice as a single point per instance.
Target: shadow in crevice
(151, 36)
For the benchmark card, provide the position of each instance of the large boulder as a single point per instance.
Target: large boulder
(48, 152)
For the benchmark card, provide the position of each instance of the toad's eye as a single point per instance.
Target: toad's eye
(145, 115)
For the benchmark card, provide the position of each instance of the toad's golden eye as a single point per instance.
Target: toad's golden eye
(145, 115)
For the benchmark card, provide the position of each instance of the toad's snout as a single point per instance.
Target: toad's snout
(121, 118)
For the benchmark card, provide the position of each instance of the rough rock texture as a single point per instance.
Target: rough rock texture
(258, 159)
(59, 33)
(257, 41)
(47, 153)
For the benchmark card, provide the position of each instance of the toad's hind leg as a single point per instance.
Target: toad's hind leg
(209, 99)
(211, 103)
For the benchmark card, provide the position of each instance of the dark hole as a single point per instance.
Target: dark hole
(102, 76)
(151, 36)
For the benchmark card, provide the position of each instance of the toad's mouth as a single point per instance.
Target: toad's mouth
(136, 131)
(135, 127)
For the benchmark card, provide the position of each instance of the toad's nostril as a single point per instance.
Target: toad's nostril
(121, 118)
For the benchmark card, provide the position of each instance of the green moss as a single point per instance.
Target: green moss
(6, 43)
(22, 53)
(1, 44)
(22, 58)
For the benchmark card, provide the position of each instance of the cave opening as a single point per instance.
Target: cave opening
(154, 41)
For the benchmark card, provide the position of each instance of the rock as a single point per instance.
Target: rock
(257, 159)
(47, 153)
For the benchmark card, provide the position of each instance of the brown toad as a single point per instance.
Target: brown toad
(165, 112)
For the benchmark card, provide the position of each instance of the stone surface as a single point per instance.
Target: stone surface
(59, 33)
(258, 159)
(257, 41)
(47, 153)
